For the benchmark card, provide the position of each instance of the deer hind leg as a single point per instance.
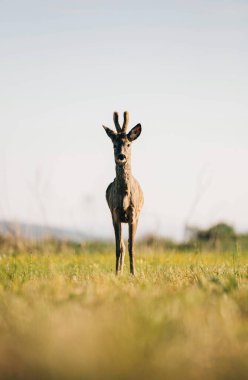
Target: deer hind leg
(132, 231)
(119, 248)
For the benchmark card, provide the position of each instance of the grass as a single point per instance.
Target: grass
(67, 316)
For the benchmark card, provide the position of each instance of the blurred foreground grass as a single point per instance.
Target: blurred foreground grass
(185, 316)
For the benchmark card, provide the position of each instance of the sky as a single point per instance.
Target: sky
(179, 68)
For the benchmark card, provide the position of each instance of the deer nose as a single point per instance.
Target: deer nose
(121, 157)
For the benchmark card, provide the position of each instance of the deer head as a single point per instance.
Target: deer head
(121, 140)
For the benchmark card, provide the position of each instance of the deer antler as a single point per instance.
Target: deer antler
(116, 121)
(125, 123)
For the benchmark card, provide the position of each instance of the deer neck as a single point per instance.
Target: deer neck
(123, 178)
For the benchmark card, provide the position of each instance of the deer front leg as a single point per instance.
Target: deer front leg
(132, 230)
(122, 255)
(119, 248)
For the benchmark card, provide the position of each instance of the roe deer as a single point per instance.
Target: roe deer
(124, 195)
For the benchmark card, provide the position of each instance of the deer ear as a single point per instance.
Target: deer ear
(134, 133)
(109, 132)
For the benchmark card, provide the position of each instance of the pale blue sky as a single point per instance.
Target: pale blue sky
(179, 68)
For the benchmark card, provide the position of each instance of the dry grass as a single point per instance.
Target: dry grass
(69, 317)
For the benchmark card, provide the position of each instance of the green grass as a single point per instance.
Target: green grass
(185, 316)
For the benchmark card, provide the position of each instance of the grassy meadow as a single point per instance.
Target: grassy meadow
(67, 316)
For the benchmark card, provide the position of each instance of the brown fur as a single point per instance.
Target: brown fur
(124, 195)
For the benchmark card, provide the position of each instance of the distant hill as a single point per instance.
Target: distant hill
(38, 232)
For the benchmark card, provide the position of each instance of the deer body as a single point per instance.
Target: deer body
(124, 195)
(125, 199)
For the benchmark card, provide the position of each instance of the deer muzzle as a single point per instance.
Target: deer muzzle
(121, 159)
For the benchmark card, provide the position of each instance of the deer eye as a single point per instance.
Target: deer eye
(128, 144)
